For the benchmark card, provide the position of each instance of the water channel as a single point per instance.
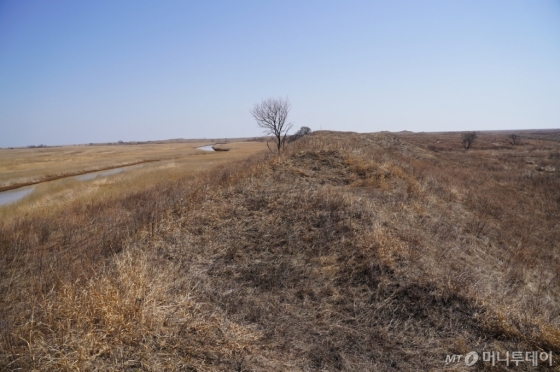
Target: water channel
(12, 196)
(206, 148)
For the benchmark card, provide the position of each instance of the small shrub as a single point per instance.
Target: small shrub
(514, 139)
(303, 131)
(468, 139)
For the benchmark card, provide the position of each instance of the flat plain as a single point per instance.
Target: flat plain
(52, 169)
(19, 166)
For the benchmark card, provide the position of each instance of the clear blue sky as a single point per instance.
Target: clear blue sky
(96, 71)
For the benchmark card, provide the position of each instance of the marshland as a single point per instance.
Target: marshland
(47, 176)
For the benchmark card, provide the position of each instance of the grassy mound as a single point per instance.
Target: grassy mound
(347, 252)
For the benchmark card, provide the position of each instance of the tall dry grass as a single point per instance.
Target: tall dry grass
(347, 252)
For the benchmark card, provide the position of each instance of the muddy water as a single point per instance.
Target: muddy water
(92, 175)
(12, 196)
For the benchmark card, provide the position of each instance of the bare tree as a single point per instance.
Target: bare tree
(271, 115)
(468, 139)
(514, 139)
(303, 131)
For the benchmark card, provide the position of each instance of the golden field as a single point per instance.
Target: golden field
(348, 252)
(22, 166)
(157, 163)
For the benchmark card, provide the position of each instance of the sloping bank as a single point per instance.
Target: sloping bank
(332, 256)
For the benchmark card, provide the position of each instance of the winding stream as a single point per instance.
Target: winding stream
(12, 196)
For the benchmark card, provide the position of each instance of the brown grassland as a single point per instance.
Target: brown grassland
(155, 166)
(350, 252)
(21, 166)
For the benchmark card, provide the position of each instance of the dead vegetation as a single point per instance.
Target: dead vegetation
(24, 166)
(60, 194)
(347, 252)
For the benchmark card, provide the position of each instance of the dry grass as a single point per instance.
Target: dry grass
(181, 162)
(31, 165)
(348, 252)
